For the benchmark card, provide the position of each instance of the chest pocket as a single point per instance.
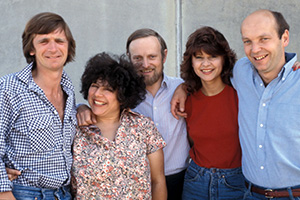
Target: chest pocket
(41, 133)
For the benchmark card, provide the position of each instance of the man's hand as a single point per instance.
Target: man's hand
(12, 174)
(178, 102)
(85, 116)
(296, 65)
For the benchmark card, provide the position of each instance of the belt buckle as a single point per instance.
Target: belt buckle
(266, 195)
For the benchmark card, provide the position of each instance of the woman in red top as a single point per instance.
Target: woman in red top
(212, 123)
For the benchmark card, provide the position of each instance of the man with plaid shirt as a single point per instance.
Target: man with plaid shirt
(37, 114)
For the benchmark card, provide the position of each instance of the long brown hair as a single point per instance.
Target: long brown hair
(212, 42)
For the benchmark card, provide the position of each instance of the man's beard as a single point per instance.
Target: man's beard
(151, 80)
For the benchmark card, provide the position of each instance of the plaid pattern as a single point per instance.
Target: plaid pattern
(32, 137)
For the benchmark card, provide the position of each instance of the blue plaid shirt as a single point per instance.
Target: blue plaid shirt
(32, 137)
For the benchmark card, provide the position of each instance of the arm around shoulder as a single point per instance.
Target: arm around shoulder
(178, 101)
(85, 115)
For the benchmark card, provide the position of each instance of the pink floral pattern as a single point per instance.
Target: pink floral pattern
(119, 169)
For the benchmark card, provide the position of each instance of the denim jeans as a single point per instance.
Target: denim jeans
(213, 184)
(31, 193)
(254, 196)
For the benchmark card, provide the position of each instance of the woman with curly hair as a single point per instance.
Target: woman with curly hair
(212, 119)
(120, 156)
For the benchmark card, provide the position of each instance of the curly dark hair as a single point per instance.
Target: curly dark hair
(119, 74)
(212, 42)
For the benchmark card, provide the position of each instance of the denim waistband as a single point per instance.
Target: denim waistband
(44, 190)
(216, 171)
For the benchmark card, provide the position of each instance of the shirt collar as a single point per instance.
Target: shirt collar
(290, 58)
(127, 111)
(94, 130)
(25, 76)
(165, 81)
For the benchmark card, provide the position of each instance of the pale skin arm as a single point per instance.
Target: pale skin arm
(12, 175)
(7, 196)
(178, 102)
(85, 116)
(158, 180)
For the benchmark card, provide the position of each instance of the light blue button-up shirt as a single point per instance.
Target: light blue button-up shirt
(269, 124)
(176, 153)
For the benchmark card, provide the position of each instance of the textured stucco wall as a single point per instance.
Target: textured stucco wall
(227, 15)
(104, 25)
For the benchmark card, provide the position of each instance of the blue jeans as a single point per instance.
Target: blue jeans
(213, 184)
(29, 193)
(254, 196)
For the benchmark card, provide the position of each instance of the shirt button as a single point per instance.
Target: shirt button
(261, 167)
(260, 146)
(155, 107)
(261, 84)
(261, 125)
(55, 112)
(156, 124)
(283, 79)
(264, 104)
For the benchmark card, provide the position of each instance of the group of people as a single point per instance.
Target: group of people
(225, 135)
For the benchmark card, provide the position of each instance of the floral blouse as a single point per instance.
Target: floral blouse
(119, 169)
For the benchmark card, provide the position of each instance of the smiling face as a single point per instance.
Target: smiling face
(103, 100)
(146, 53)
(50, 50)
(262, 45)
(207, 67)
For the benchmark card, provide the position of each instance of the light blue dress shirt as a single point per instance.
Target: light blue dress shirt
(269, 124)
(176, 153)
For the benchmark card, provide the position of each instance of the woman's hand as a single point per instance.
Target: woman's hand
(296, 65)
(178, 102)
(85, 116)
(12, 173)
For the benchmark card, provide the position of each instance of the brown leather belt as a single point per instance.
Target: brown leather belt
(270, 193)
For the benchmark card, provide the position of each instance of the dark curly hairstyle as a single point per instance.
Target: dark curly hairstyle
(212, 42)
(119, 74)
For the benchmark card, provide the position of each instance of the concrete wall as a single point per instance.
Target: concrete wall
(104, 25)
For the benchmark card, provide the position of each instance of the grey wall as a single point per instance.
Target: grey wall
(104, 25)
